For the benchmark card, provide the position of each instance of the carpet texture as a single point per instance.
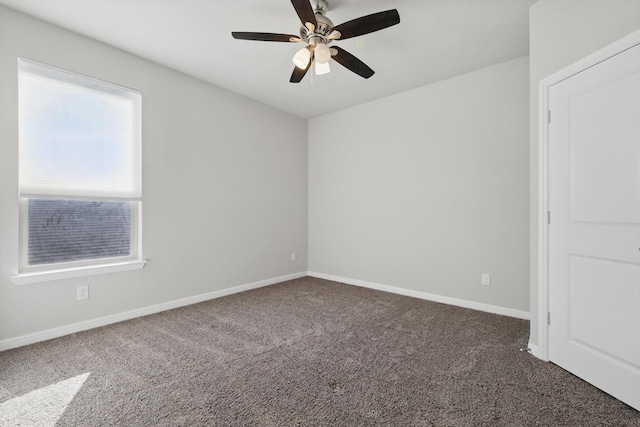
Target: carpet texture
(308, 352)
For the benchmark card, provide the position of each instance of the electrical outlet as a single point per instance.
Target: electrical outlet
(486, 279)
(82, 292)
(293, 257)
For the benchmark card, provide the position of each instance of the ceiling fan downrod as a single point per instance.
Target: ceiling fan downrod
(320, 7)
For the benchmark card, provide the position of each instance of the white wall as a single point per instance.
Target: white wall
(423, 190)
(428, 189)
(224, 178)
(561, 33)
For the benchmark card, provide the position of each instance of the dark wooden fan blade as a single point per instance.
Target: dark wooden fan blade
(368, 24)
(305, 11)
(298, 74)
(349, 61)
(265, 37)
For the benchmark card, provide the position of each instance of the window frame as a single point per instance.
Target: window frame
(86, 267)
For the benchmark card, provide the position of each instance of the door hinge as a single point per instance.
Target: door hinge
(548, 217)
(548, 116)
(548, 318)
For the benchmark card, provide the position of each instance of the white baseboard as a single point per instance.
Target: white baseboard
(534, 349)
(144, 311)
(426, 296)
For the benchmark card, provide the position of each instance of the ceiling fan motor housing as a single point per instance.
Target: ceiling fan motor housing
(319, 33)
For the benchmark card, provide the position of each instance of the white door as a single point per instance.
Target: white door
(594, 230)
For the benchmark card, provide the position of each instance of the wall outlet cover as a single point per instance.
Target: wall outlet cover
(82, 292)
(486, 279)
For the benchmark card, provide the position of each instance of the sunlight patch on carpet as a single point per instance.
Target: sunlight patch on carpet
(43, 406)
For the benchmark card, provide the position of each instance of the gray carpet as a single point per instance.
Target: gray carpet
(305, 352)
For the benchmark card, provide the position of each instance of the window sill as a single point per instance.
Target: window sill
(68, 273)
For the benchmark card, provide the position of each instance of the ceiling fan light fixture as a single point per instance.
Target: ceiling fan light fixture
(302, 58)
(322, 68)
(322, 53)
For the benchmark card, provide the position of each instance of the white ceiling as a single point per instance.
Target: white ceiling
(435, 40)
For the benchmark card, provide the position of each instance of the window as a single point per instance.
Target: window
(80, 169)
(73, 230)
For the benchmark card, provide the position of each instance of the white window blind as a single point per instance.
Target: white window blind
(80, 138)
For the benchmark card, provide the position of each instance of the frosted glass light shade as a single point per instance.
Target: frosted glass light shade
(322, 53)
(302, 58)
(79, 137)
(322, 68)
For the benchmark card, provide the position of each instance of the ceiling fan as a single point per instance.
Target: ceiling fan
(317, 31)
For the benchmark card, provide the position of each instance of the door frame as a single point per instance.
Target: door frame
(541, 350)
